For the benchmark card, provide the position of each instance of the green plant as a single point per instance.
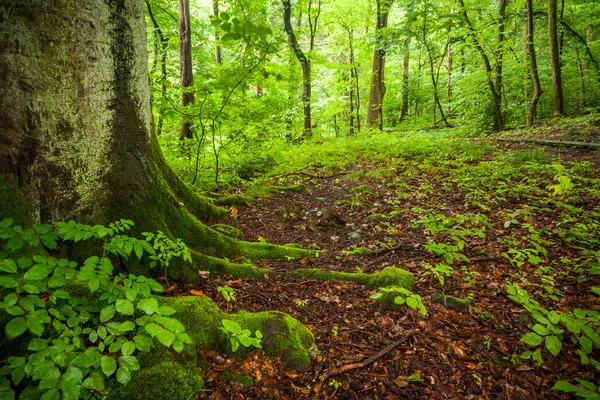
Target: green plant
(440, 272)
(552, 327)
(238, 336)
(402, 296)
(228, 294)
(585, 389)
(166, 249)
(335, 330)
(449, 253)
(335, 383)
(564, 184)
(78, 344)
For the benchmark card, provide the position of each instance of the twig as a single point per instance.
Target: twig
(299, 283)
(362, 364)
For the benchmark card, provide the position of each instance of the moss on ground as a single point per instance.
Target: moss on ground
(13, 204)
(283, 336)
(453, 303)
(265, 190)
(389, 276)
(237, 200)
(229, 376)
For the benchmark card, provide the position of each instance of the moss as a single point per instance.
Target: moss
(237, 200)
(229, 376)
(228, 230)
(162, 376)
(389, 276)
(377, 217)
(13, 204)
(454, 303)
(265, 190)
(283, 336)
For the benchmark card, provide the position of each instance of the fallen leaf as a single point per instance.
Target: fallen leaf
(197, 292)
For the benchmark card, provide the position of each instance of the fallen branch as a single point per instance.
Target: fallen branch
(362, 364)
(549, 142)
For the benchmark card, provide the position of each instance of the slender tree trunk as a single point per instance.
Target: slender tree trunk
(537, 88)
(449, 68)
(377, 92)
(218, 57)
(185, 63)
(585, 65)
(164, 44)
(558, 99)
(354, 79)
(304, 63)
(500, 48)
(488, 69)
(406, 61)
(526, 65)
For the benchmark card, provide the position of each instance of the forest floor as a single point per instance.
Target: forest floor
(377, 213)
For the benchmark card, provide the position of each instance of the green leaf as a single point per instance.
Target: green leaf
(127, 326)
(165, 310)
(124, 306)
(94, 284)
(123, 376)
(108, 365)
(532, 339)
(51, 394)
(166, 337)
(15, 310)
(553, 344)
(142, 342)
(37, 344)
(70, 390)
(178, 346)
(540, 329)
(95, 382)
(128, 348)
(15, 243)
(149, 306)
(107, 313)
(232, 326)
(139, 250)
(73, 374)
(8, 282)
(9, 266)
(16, 327)
(129, 362)
(130, 294)
(51, 379)
(153, 329)
(565, 386)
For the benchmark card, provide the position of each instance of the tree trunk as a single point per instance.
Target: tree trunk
(500, 49)
(377, 92)
(449, 81)
(304, 63)
(558, 99)
(218, 57)
(498, 125)
(537, 88)
(164, 44)
(77, 130)
(406, 61)
(185, 63)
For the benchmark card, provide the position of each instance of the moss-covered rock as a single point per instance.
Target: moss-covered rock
(389, 276)
(283, 336)
(453, 303)
(228, 230)
(163, 375)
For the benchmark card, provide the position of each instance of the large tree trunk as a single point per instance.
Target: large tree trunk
(377, 92)
(185, 63)
(558, 99)
(77, 139)
(304, 63)
(537, 88)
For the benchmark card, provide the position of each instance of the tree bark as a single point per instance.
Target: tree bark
(377, 92)
(304, 63)
(185, 64)
(537, 88)
(498, 124)
(164, 44)
(558, 99)
(77, 131)
(500, 49)
(406, 61)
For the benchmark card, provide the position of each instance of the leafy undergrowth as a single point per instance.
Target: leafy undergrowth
(504, 244)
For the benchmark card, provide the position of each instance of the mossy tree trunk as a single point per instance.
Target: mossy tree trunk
(77, 130)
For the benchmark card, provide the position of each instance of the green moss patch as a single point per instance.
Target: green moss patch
(389, 276)
(453, 303)
(283, 336)
(228, 230)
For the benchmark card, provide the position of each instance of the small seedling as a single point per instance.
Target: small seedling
(238, 336)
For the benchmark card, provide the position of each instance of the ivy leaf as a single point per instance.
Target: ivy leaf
(108, 365)
(532, 339)
(553, 344)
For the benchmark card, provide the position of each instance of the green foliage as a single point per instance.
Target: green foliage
(238, 336)
(553, 327)
(78, 344)
(401, 296)
(440, 272)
